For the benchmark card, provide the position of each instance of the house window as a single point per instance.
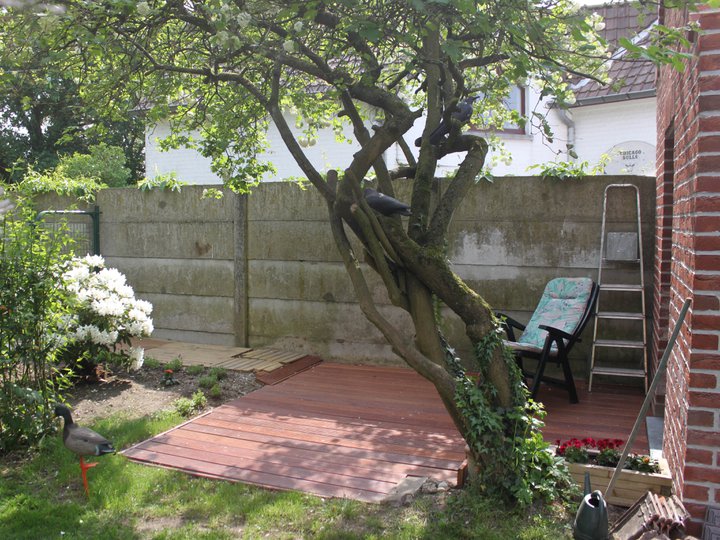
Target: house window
(514, 102)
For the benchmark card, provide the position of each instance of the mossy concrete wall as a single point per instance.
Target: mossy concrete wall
(263, 270)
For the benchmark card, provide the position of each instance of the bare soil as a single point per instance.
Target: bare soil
(143, 392)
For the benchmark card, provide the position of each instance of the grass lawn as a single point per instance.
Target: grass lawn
(41, 496)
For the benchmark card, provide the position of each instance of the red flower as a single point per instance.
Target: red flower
(169, 371)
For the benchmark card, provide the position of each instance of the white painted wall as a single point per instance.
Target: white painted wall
(597, 129)
(326, 153)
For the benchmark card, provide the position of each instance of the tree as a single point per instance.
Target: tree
(227, 68)
(43, 114)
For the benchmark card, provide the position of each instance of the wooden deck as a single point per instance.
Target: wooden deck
(237, 358)
(334, 430)
(608, 412)
(338, 430)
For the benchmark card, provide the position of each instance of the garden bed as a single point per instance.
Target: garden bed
(630, 486)
(599, 458)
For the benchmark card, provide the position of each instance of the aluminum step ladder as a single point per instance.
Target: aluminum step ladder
(620, 252)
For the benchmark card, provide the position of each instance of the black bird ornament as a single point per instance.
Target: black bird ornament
(385, 204)
(463, 113)
(83, 442)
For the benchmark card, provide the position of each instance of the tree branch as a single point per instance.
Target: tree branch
(273, 107)
(457, 190)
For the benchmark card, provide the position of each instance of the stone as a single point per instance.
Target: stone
(404, 493)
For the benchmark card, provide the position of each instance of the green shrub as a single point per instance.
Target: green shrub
(189, 406)
(174, 364)
(32, 311)
(54, 181)
(98, 326)
(104, 163)
(195, 370)
(207, 381)
(215, 391)
(219, 373)
(152, 363)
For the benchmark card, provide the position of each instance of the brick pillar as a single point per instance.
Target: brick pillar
(689, 180)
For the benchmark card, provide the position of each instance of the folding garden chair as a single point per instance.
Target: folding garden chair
(553, 329)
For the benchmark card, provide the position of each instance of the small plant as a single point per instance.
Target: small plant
(175, 364)
(215, 392)
(609, 452)
(169, 378)
(161, 181)
(212, 193)
(642, 464)
(219, 373)
(565, 170)
(189, 406)
(575, 451)
(152, 363)
(207, 381)
(195, 370)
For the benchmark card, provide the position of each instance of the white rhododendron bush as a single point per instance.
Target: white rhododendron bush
(106, 315)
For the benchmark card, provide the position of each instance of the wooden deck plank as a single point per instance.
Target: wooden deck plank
(338, 458)
(289, 368)
(291, 414)
(400, 446)
(347, 431)
(222, 472)
(318, 460)
(278, 468)
(349, 451)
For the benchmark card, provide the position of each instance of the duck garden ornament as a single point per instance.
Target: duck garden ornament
(83, 442)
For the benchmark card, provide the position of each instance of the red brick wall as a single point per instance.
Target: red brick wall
(688, 247)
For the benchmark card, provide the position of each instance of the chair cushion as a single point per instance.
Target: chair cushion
(562, 306)
(523, 347)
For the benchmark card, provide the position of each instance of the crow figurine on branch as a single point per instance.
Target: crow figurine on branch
(463, 112)
(385, 204)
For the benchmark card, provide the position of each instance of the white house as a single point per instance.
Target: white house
(614, 125)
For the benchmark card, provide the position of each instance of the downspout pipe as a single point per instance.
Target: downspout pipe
(567, 119)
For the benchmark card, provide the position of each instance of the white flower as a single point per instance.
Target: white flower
(143, 9)
(93, 261)
(289, 45)
(112, 278)
(298, 26)
(243, 19)
(144, 306)
(137, 354)
(108, 308)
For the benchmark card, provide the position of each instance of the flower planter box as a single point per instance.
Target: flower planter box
(630, 486)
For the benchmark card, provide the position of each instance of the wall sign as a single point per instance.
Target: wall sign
(631, 157)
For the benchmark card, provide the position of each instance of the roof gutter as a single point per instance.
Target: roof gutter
(613, 98)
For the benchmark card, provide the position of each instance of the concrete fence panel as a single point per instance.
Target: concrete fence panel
(263, 270)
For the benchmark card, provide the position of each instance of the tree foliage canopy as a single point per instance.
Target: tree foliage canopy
(43, 115)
